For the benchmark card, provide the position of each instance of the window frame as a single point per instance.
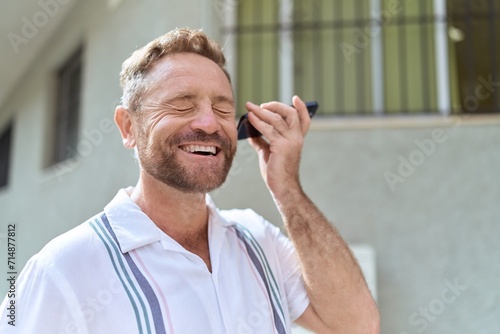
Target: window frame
(378, 88)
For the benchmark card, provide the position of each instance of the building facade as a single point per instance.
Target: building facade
(403, 154)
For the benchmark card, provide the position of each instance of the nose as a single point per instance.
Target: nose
(205, 120)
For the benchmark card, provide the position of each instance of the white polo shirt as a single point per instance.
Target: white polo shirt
(119, 273)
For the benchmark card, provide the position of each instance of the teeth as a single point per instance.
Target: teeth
(199, 148)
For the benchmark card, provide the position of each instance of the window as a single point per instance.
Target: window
(365, 57)
(475, 47)
(67, 108)
(5, 147)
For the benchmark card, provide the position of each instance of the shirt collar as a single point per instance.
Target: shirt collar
(134, 229)
(214, 215)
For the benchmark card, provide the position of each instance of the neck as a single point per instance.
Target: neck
(179, 214)
(182, 216)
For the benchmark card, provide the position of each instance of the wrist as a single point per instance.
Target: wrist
(289, 197)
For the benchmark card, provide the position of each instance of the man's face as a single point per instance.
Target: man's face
(185, 130)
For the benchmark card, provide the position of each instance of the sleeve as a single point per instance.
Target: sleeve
(292, 275)
(42, 303)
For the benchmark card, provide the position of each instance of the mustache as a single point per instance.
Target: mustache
(224, 142)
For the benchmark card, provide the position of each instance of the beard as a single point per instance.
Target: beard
(161, 162)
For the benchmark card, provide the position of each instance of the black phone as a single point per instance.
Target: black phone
(245, 129)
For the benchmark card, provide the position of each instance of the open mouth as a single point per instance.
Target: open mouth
(200, 149)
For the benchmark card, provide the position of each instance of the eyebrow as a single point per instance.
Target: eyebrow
(182, 96)
(189, 96)
(222, 98)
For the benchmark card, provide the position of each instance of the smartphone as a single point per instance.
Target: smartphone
(245, 129)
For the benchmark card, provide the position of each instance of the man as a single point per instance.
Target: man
(161, 258)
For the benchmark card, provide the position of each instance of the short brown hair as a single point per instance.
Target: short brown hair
(135, 69)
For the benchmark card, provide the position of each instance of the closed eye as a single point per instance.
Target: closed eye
(223, 111)
(184, 109)
(170, 107)
(223, 108)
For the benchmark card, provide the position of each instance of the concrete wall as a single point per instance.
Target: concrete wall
(436, 229)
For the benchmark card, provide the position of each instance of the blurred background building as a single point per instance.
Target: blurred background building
(403, 155)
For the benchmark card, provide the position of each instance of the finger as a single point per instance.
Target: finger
(288, 113)
(266, 121)
(303, 113)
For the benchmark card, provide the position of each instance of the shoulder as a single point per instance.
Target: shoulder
(247, 218)
(253, 225)
(69, 248)
(242, 216)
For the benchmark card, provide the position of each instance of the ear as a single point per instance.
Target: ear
(125, 123)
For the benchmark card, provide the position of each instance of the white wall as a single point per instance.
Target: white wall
(439, 226)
